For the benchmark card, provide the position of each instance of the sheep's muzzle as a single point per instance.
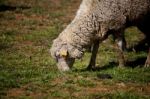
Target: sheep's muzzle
(64, 64)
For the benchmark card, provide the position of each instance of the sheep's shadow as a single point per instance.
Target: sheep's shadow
(136, 63)
(139, 62)
(98, 68)
(110, 65)
(4, 7)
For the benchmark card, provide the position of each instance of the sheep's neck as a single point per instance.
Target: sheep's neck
(82, 31)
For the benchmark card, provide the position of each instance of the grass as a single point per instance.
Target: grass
(117, 95)
(27, 71)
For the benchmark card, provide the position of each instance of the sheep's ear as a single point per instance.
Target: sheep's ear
(63, 53)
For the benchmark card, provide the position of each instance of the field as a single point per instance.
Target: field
(27, 71)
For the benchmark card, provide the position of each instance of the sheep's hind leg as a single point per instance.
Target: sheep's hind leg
(147, 63)
(120, 56)
(145, 28)
(94, 54)
(121, 46)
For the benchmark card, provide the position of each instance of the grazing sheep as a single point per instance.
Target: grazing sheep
(94, 22)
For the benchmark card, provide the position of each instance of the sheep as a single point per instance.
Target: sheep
(94, 22)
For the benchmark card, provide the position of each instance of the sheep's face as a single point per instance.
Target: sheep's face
(60, 53)
(64, 62)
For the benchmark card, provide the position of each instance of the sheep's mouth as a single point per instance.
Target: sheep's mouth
(64, 64)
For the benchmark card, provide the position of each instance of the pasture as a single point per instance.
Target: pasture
(27, 71)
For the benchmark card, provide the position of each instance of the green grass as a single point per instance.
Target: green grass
(117, 95)
(27, 70)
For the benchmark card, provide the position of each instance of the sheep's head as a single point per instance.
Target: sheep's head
(60, 53)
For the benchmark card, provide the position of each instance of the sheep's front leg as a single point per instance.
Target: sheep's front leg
(94, 54)
(121, 46)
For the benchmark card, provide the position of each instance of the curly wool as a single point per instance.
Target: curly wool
(94, 19)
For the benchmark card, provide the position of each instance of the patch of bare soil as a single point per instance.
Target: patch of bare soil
(15, 92)
(99, 88)
(103, 89)
(25, 91)
(56, 2)
(118, 87)
(141, 89)
(19, 17)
